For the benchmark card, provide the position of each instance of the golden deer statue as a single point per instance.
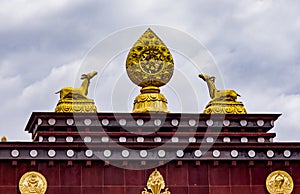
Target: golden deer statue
(78, 93)
(218, 95)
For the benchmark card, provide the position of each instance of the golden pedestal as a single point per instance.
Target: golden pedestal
(224, 107)
(150, 100)
(71, 105)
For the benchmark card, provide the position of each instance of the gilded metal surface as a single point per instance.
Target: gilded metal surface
(156, 184)
(279, 182)
(150, 100)
(220, 107)
(222, 101)
(149, 61)
(32, 183)
(75, 99)
(70, 105)
(149, 64)
(3, 139)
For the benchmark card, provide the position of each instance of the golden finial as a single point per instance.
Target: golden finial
(156, 184)
(279, 182)
(222, 101)
(33, 182)
(3, 139)
(149, 64)
(75, 99)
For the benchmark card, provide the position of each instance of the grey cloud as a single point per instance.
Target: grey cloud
(255, 44)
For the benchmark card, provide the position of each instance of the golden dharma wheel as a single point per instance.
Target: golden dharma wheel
(149, 61)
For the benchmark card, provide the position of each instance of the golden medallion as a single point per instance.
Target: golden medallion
(32, 183)
(279, 182)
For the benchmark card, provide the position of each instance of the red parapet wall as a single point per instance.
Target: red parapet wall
(181, 177)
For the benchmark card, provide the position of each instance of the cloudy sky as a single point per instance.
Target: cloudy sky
(255, 47)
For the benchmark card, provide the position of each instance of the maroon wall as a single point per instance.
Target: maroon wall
(214, 177)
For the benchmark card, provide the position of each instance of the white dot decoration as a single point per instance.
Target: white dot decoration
(192, 139)
(140, 122)
(41, 138)
(105, 122)
(270, 154)
(260, 123)
(192, 122)
(87, 122)
(122, 139)
(51, 121)
(143, 153)
(287, 153)
(39, 121)
(122, 122)
(107, 153)
(174, 122)
(209, 139)
(157, 122)
(272, 123)
(260, 140)
(51, 153)
(125, 153)
(161, 153)
(209, 123)
(175, 139)
(140, 139)
(51, 139)
(271, 140)
(234, 153)
(226, 123)
(179, 153)
(216, 153)
(14, 153)
(251, 153)
(87, 139)
(105, 139)
(157, 139)
(244, 139)
(243, 123)
(198, 153)
(70, 153)
(88, 153)
(70, 121)
(69, 139)
(33, 153)
(226, 140)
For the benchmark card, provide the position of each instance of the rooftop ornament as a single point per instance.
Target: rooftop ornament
(75, 99)
(150, 65)
(222, 101)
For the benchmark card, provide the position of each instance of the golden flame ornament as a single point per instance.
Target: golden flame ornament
(149, 64)
(156, 184)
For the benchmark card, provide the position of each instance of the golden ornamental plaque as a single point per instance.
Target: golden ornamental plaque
(156, 184)
(32, 183)
(279, 182)
(150, 65)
